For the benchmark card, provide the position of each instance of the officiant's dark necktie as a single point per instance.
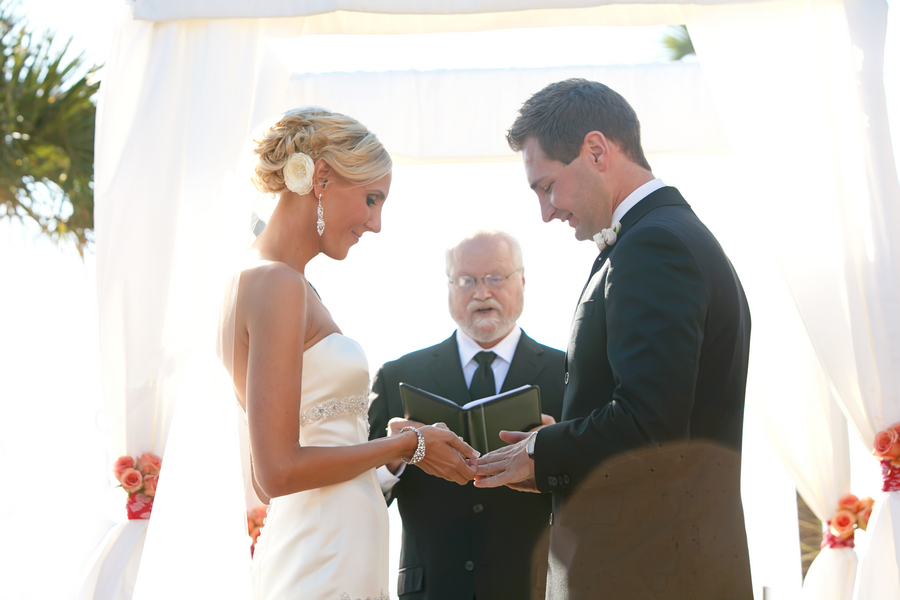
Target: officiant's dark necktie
(483, 381)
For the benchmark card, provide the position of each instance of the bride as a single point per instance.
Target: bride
(302, 384)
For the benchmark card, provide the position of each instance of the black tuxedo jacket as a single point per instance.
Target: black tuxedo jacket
(460, 542)
(656, 370)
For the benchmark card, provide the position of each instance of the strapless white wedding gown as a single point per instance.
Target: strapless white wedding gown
(329, 543)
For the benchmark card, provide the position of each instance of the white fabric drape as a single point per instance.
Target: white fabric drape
(789, 394)
(179, 99)
(806, 111)
(682, 120)
(416, 16)
(168, 139)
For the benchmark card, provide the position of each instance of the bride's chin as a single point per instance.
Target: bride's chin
(336, 253)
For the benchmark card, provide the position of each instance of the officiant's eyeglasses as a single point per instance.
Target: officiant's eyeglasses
(466, 283)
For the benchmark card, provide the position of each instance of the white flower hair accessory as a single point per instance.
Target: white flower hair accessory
(298, 173)
(608, 237)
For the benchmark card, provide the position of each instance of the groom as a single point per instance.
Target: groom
(644, 469)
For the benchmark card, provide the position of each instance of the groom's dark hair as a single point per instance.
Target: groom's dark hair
(561, 114)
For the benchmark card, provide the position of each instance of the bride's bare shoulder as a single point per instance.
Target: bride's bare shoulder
(267, 283)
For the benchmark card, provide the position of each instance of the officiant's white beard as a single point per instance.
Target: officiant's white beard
(488, 328)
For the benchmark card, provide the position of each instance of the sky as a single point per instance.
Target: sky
(51, 356)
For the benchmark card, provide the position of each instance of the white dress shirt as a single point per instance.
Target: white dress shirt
(468, 348)
(635, 197)
(505, 350)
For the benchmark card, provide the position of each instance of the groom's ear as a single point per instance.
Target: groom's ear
(595, 149)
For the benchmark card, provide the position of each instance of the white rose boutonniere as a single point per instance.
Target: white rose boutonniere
(608, 237)
(298, 173)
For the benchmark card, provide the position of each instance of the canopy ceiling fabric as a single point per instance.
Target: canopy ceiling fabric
(180, 98)
(415, 16)
(682, 120)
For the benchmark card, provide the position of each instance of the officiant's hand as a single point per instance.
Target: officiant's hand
(545, 420)
(510, 466)
(393, 428)
(445, 454)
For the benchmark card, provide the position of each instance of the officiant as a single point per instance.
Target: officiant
(460, 542)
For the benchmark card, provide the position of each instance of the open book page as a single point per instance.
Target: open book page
(474, 403)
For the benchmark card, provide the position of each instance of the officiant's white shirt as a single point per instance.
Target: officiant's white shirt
(468, 348)
(505, 350)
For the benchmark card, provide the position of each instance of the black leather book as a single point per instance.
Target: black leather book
(480, 421)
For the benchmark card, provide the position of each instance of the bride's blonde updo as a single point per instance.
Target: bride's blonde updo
(343, 142)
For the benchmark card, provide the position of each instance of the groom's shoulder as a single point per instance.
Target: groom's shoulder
(670, 222)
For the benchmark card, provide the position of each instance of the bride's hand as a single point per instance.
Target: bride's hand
(445, 453)
(393, 428)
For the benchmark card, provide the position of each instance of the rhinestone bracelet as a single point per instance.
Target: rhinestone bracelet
(419, 454)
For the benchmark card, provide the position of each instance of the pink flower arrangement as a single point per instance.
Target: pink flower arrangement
(887, 445)
(852, 514)
(886, 448)
(138, 478)
(256, 518)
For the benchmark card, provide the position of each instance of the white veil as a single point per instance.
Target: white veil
(197, 544)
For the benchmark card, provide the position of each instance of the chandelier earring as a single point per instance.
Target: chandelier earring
(320, 222)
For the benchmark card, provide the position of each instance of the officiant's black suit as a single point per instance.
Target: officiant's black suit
(645, 466)
(460, 542)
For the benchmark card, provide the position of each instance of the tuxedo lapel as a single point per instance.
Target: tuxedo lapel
(667, 196)
(526, 364)
(448, 372)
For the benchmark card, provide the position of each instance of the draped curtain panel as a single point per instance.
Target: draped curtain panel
(789, 395)
(797, 87)
(175, 111)
(806, 111)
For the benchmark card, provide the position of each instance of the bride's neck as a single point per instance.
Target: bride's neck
(290, 235)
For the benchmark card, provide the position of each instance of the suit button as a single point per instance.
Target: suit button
(470, 566)
(565, 479)
(478, 509)
(567, 377)
(551, 480)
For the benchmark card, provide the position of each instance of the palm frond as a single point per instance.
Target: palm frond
(678, 42)
(47, 114)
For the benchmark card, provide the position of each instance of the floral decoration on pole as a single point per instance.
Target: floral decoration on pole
(887, 450)
(139, 478)
(256, 518)
(852, 514)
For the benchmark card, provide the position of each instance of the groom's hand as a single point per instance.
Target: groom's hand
(510, 466)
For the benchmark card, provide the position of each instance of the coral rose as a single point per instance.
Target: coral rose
(150, 483)
(865, 503)
(842, 524)
(149, 464)
(124, 462)
(862, 519)
(849, 501)
(887, 445)
(131, 480)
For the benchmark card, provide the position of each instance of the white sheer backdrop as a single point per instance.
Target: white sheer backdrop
(180, 98)
(834, 199)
